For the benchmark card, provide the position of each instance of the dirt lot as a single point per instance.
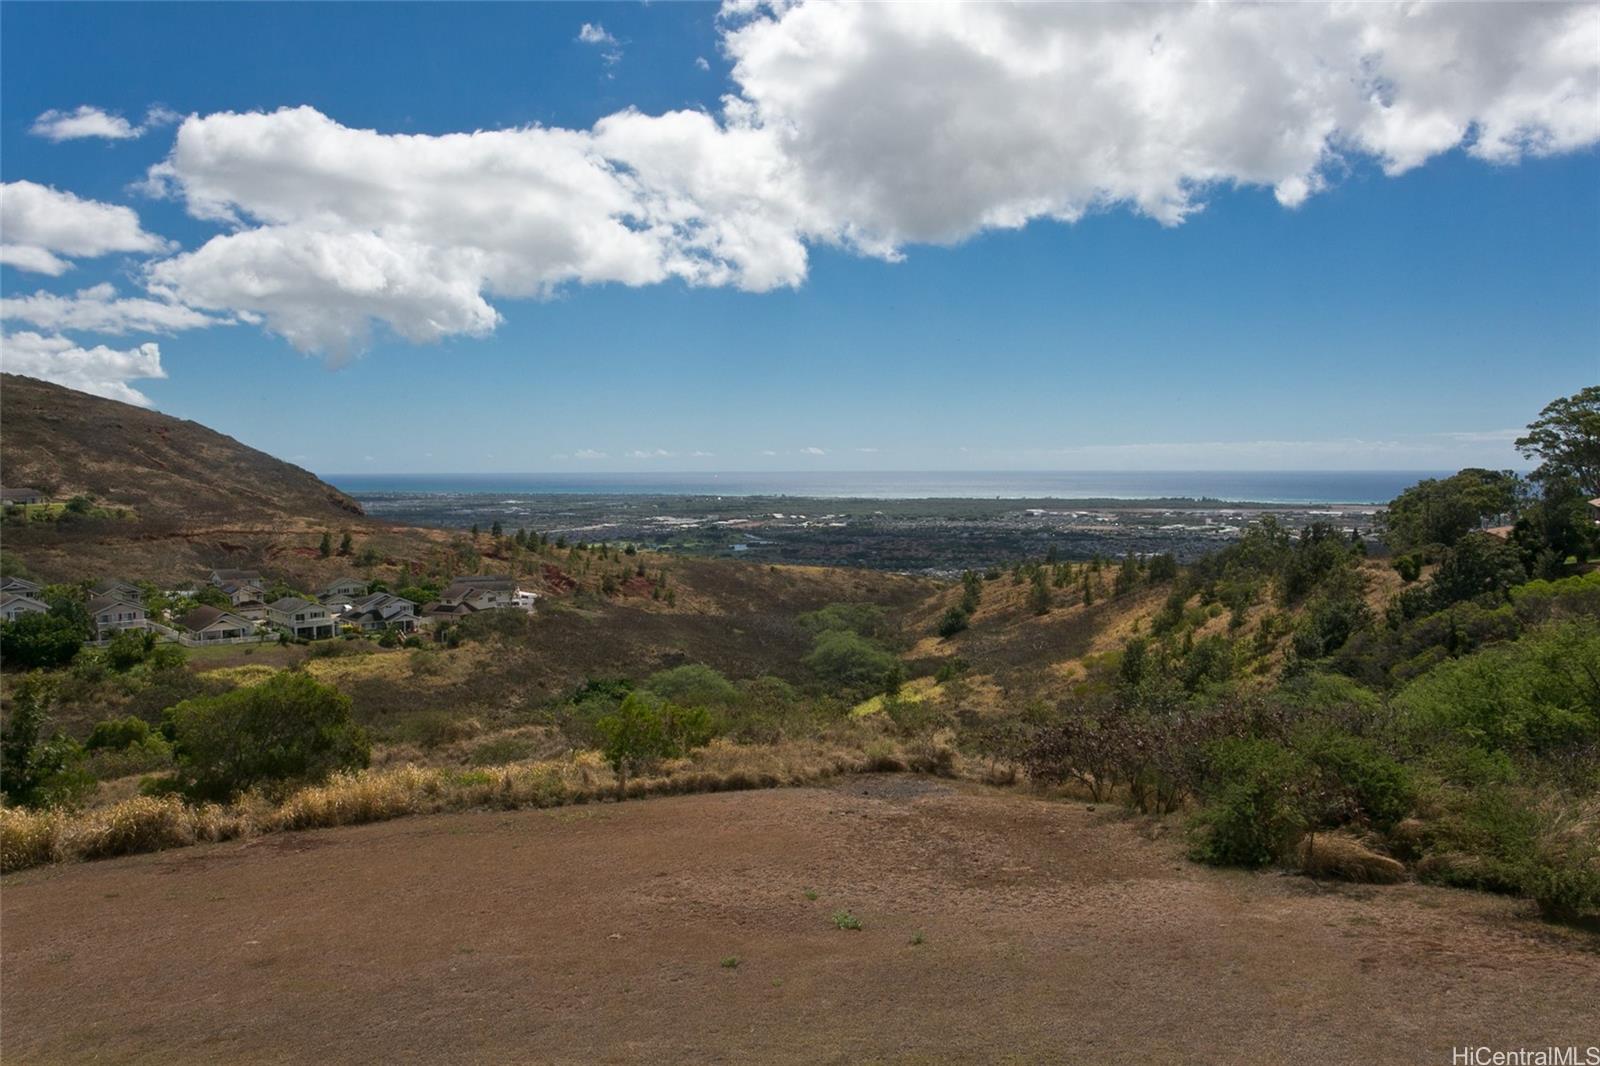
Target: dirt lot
(996, 928)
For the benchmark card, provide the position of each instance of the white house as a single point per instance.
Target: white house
(220, 578)
(524, 600)
(125, 590)
(304, 619)
(213, 624)
(110, 614)
(14, 605)
(21, 587)
(344, 590)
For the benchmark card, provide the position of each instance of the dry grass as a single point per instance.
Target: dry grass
(1342, 858)
(32, 838)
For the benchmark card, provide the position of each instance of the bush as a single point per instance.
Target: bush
(866, 619)
(290, 727)
(1379, 788)
(644, 729)
(847, 662)
(1535, 695)
(39, 641)
(1250, 817)
(693, 684)
(952, 622)
(114, 734)
(38, 770)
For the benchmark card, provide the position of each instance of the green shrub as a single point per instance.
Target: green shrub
(952, 622)
(39, 770)
(1380, 789)
(290, 727)
(693, 684)
(40, 641)
(1250, 817)
(847, 662)
(1536, 695)
(114, 734)
(866, 619)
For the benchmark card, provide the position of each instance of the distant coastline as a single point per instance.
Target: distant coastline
(1295, 487)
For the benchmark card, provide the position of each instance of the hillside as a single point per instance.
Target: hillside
(166, 470)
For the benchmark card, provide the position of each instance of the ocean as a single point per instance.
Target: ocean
(1276, 486)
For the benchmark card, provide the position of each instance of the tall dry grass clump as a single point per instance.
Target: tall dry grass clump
(31, 838)
(28, 838)
(144, 823)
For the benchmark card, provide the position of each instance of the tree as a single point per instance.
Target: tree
(346, 544)
(848, 662)
(1566, 439)
(496, 530)
(645, 728)
(1437, 512)
(325, 549)
(39, 641)
(952, 622)
(290, 727)
(37, 772)
(1039, 593)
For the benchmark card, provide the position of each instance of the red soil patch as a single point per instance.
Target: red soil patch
(597, 934)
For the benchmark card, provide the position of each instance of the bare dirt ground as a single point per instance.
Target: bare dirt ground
(1048, 933)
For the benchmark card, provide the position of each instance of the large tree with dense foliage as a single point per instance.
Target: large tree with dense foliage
(1565, 438)
(290, 727)
(1437, 512)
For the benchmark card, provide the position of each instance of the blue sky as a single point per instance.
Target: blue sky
(1404, 319)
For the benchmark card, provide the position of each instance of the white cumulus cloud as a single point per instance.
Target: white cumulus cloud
(98, 309)
(40, 227)
(99, 370)
(866, 126)
(88, 121)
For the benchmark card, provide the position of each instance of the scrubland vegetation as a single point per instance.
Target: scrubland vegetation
(1426, 706)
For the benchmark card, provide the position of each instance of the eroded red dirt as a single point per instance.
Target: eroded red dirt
(597, 934)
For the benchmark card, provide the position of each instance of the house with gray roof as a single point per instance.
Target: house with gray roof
(22, 496)
(110, 613)
(380, 611)
(213, 625)
(13, 605)
(302, 619)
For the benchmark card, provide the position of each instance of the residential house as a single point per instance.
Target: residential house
(524, 600)
(122, 589)
(22, 496)
(14, 605)
(220, 578)
(109, 614)
(381, 610)
(480, 593)
(344, 590)
(248, 599)
(21, 587)
(303, 619)
(206, 624)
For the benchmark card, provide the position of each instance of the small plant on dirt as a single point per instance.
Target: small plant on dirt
(846, 920)
(731, 962)
(916, 939)
(811, 894)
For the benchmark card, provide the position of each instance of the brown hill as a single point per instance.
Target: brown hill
(166, 470)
